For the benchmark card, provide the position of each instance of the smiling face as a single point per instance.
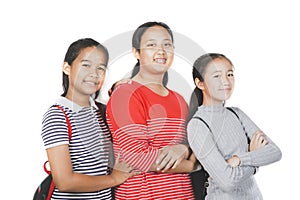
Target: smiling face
(218, 82)
(86, 74)
(156, 51)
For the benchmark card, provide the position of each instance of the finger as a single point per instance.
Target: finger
(264, 142)
(175, 164)
(169, 165)
(164, 163)
(161, 156)
(118, 158)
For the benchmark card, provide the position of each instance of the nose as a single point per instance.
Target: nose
(161, 49)
(225, 80)
(94, 72)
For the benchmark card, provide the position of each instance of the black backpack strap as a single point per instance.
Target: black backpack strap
(248, 139)
(203, 122)
(199, 178)
(228, 108)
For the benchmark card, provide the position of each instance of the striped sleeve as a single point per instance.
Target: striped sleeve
(54, 128)
(135, 147)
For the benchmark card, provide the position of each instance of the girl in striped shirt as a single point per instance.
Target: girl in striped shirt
(80, 167)
(147, 122)
(218, 136)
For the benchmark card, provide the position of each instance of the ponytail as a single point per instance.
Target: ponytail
(195, 101)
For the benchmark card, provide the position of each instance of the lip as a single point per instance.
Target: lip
(161, 61)
(92, 83)
(225, 89)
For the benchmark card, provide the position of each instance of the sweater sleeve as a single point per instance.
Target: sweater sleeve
(266, 155)
(206, 150)
(127, 120)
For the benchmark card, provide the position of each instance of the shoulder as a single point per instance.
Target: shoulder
(237, 111)
(125, 94)
(179, 97)
(55, 112)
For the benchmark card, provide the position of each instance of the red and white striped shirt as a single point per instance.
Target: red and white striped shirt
(141, 123)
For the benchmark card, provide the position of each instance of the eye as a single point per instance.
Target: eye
(230, 74)
(216, 76)
(86, 65)
(169, 44)
(101, 68)
(151, 45)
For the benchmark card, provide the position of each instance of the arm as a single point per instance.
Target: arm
(127, 114)
(68, 181)
(185, 166)
(55, 137)
(264, 152)
(203, 145)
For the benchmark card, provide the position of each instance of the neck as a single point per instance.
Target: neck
(211, 102)
(152, 82)
(146, 79)
(82, 100)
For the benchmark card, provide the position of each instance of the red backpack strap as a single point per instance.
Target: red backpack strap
(69, 134)
(67, 120)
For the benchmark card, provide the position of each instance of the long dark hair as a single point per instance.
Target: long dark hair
(136, 43)
(199, 69)
(72, 53)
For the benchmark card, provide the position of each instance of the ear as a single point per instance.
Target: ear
(66, 68)
(199, 84)
(136, 53)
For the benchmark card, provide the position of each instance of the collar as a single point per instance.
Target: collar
(73, 106)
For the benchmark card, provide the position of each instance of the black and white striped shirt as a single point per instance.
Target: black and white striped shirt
(89, 147)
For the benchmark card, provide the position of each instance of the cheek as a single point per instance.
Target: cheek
(170, 56)
(101, 81)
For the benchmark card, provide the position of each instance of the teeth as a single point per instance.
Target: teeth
(160, 60)
(91, 83)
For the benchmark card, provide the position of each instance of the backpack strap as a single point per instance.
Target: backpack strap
(67, 120)
(203, 122)
(69, 134)
(229, 108)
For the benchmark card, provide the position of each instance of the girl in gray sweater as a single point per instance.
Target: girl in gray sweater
(228, 144)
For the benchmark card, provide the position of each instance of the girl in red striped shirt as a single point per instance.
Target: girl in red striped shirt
(147, 122)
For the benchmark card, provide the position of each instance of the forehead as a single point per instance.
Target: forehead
(156, 33)
(92, 54)
(219, 64)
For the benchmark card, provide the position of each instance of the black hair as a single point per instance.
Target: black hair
(136, 43)
(199, 69)
(72, 53)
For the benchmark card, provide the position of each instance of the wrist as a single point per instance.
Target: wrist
(187, 151)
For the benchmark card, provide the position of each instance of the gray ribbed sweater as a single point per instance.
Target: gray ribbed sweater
(227, 139)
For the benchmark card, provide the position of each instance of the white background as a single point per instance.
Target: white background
(260, 37)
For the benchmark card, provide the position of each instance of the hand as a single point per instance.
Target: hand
(122, 171)
(234, 161)
(118, 83)
(170, 157)
(258, 140)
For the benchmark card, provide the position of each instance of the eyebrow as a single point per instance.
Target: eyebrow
(101, 64)
(156, 40)
(85, 61)
(217, 71)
